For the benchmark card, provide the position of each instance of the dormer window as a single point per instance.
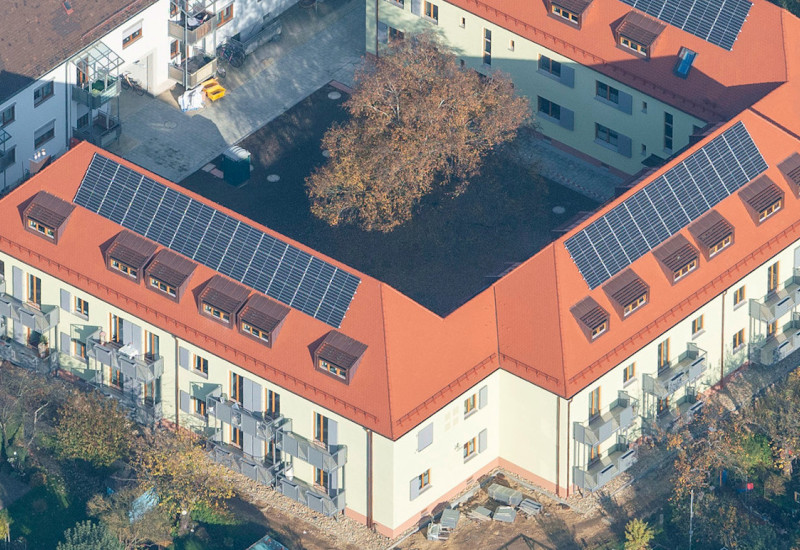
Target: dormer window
(633, 45)
(124, 268)
(339, 356)
(128, 253)
(685, 269)
(637, 33)
(790, 168)
(162, 286)
(221, 299)
(635, 304)
(46, 216)
(565, 13)
(168, 273)
(721, 245)
(262, 319)
(763, 198)
(627, 292)
(770, 210)
(677, 257)
(713, 233)
(568, 11)
(591, 317)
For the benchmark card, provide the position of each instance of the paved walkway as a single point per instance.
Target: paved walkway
(315, 47)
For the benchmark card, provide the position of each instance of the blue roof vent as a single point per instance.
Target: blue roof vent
(684, 64)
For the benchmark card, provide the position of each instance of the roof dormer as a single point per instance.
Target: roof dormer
(763, 199)
(128, 253)
(568, 11)
(46, 216)
(221, 300)
(169, 273)
(262, 319)
(591, 317)
(636, 33)
(677, 257)
(713, 233)
(627, 292)
(339, 355)
(790, 168)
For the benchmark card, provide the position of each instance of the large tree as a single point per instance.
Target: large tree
(417, 119)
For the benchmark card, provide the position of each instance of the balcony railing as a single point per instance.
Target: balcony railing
(258, 425)
(329, 504)
(143, 411)
(257, 469)
(39, 318)
(142, 368)
(103, 130)
(97, 93)
(619, 416)
(199, 69)
(6, 159)
(26, 357)
(776, 304)
(198, 27)
(689, 367)
(325, 457)
(601, 471)
(779, 345)
(685, 409)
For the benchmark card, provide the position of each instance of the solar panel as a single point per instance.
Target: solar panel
(716, 21)
(217, 240)
(670, 202)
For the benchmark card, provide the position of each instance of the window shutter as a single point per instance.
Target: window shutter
(255, 394)
(624, 145)
(425, 437)
(414, 488)
(126, 332)
(333, 432)
(567, 119)
(135, 335)
(625, 103)
(483, 397)
(183, 358)
(333, 481)
(185, 407)
(416, 7)
(482, 441)
(247, 398)
(248, 444)
(65, 300)
(567, 76)
(65, 343)
(16, 275)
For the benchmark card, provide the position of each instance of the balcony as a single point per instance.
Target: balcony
(6, 159)
(27, 357)
(257, 469)
(777, 304)
(689, 367)
(329, 504)
(619, 416)
(601, 471)
(199, 67)
(96, 94)
(684, 411)
(258, 425)
(39, 318)
(103, 130)
(198, 27)
(778, 346)
(328, 458)
(141, 368)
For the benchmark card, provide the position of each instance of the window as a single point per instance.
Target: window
(257, 332)
(320, 429)
(663, 355)
(644, 150)
(151, 344)
(487, 47)
(599, 329)
(606, 135)
(116, 379)
(174, 49)
(162, 286)
(629, 373)
(644, 106)
(668, 121)
(470, 404)
(463, 23)
(662, 406)
(79, 349)
(200, 364)
(511, 45)
(7, 116)
(41, 228)
(395, 35)
(425, 479)
(738, 296)
(236, 437)
(124, 268)
(550, 109)
(81, 307)
(718, 247)
(432, 11)
(336, 370)
(738, 340)
(549, 66)
(132, 36)
(387, 34)
(173, 7)
(634, 305)
(8, 158)
(116, 329)
(199, 407)
(273, 403)
(152, 391)
(772, 328)
(470, 448)
(641, 49)
(44, 134)
(604, 91)
(772, 277)
(237, 388)
(770, 210)
(685, 270)
(697, 324)
(225, 15)
(215, 312)
(34, 289)
(564, 14)
(83, 121)
(320, 478)
(594, 453)
(594, 402)
(43, 93)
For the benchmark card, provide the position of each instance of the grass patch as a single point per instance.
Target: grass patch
(42, 516)
(236, 535)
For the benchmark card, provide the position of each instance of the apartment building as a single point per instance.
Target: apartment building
(61, 63)
(604, 78)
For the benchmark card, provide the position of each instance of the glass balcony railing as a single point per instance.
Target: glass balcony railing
(256, 424)
(102, 131)
(97, 93)
(603, 470)
(38, 318)
(618, 417)
(779, 345)
(689, 367)
(328, 503)
(775, 305)
(325, 457)
(143, 368)
(256, 468)
(193, 29)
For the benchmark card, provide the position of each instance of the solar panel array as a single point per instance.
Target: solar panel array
(659, 210)
(716, 21)
(217, 240)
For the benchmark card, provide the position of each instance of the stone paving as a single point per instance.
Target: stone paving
(315, 47)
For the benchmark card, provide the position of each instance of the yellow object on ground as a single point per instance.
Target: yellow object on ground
(213, 90)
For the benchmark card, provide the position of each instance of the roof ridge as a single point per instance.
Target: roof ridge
(386, 364)
(558, 309)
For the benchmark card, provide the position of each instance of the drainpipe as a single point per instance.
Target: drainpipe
(370, 522)
(66, 103)
(376, 28)
(177, 385)
(558, 443)
(569, 404)
(722, 344)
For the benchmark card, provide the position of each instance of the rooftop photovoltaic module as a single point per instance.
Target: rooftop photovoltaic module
(670, 202)
(716, 21)
(217, 240)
